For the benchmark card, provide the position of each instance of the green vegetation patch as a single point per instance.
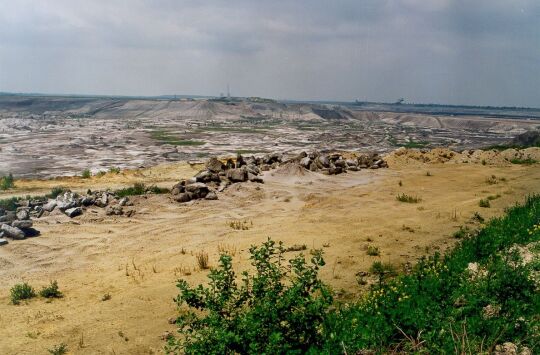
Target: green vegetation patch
(7, 182)
(167, 138)
(527, 161)
(477, 295)
(21, 292)
(140, 189)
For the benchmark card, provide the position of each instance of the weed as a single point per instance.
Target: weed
(296, 247)
(86, 174)
(484, 162)
(21, 292)
(240, 225)
(114, 170)
(382, 270)
(462, 232)
(407, 229)
(7, 182)
(57, 191)
(60, 349)
(106, 297)
(51, 291)
(202, 260)
(428, 174)
(484, 203)
(400, 183)
(477, 217)
(228, 249)
(373, 251)
(101, 173)
(408, 198)
(493, 197)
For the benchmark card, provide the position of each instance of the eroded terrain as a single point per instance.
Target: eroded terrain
(48, 136)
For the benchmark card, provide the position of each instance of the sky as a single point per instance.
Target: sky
(481, 52)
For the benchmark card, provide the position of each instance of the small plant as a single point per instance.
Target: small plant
(428, 174)
(106, 297)
(228, 249)
(86, 174)
(101, 173)
(60, 349)
(240, 225)
(158, 190)
(484, 203)
(400, 183)
(493, 197)
(202, 260)
(484, 162)
(57, 191)
(7, 182)
(51, 291)
(138, 188)
(462, 232)
(22, 292)
(373, 251)
(408, 198)
(477, 217)
(382, 270)
(114, 170)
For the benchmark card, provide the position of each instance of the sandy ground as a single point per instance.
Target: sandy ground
(137, 260)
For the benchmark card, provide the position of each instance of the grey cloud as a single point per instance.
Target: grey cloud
(457, 51)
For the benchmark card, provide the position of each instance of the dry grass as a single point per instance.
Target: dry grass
(202, 260)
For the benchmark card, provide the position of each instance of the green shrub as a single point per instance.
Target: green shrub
(51, 291)
(137, 189)
(7, 182)
(56, 191)
(21, 292)
(10, 203)
(114, 170)
(86, 174)
(158, 190)
(484, 203)
(408, 198)
(278, 309)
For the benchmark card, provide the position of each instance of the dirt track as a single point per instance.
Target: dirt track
(137, 260)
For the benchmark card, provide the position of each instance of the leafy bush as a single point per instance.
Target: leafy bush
(278, 309)
(7, 182)
(86, 174)
(407, 198)
(51, 291)
(21, 292)
(57, 191)
(10, 203)
(114, 170)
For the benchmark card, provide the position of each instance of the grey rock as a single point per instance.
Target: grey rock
(9, 217)
(207, 176)
(27, 223)
(340, 163)
(237, 175)
(322, 161)
(305, 162)
(50, 206)
(88, 201)
(30, 232)
(255, 178)
(351, 162)
(183, 197)
(198, 190)
(211, 196)
(73, 212)
(3, 241)
(12, 232)
(23, 214)
(124, 201)
(114, 210)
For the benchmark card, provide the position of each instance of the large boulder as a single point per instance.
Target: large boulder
(305, 162)
(211, 196)
(73, 212)
(23, 214)
(183, 197)
(50, 206)
(9, 217)
(27, 223)
(207, 176)
(322, 162)
(214, 165)
(12, 232)
(198, 190)
(240, 161)
(237, 175)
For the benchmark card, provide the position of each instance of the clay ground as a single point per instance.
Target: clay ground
(137, 260)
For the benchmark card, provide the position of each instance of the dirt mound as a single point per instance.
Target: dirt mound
(291, 169)
(441, 155)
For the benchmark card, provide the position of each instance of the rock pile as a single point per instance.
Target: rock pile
(16, 225)
(218, 175)
(333, 164)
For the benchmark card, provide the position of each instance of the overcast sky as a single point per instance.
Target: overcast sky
(443, 51)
